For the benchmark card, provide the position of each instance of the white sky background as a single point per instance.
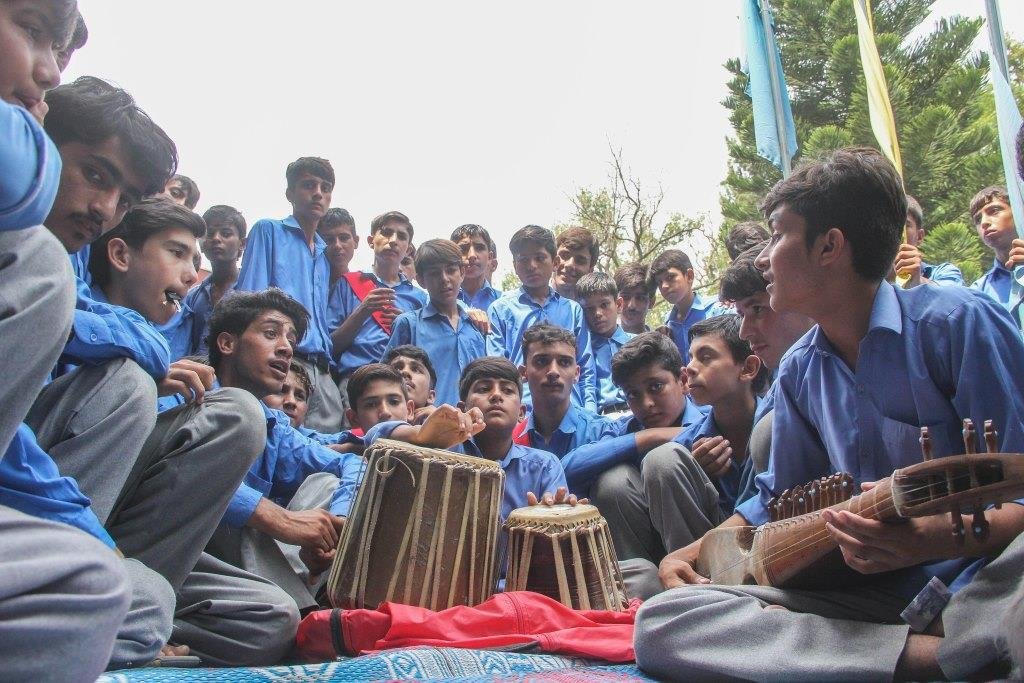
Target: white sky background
(452, 112)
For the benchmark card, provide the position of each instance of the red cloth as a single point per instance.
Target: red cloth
(520, 435)
(362, 285)
(505, 619)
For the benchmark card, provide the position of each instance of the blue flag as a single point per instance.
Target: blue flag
(773, 117)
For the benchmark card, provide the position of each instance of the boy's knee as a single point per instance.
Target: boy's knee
(241, 420)
(612, 484)
(150, 619)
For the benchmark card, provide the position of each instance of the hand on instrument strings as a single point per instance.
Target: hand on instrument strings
(870, 546)
(448, 426)
(676, 568)
(713, 454)
(561, 495)
(382, 300)
(188, 378)
(1016, 254)
(421, 414)
(480, 320)
(908, 262)
(316, 560)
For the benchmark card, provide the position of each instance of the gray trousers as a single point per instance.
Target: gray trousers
(147, 626)
(63, 597)
(37, 297)
(666, 503)
(326, 408)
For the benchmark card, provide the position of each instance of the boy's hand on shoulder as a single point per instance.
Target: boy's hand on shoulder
(480, 320)
(448, 426)
(1016, 254)
(188, 378)
(561, 496)
(713, 454)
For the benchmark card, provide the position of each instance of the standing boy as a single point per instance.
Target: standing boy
(599, 298)
(636, 294)
(993, 219)
(477, 249)
(908, 258)
(338, 230)
(533, 253)
(672, 273)
(413, 364)
(575, 256)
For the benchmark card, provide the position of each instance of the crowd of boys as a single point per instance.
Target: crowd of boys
(181, 448)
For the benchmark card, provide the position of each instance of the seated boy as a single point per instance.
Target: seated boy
(413, 364)
(624, 474)
(908, 358)
(337, 228)
(477, 249)
(183, 191)
(635, 297)
(289, 254)
(442, 328)
(533, 253)
(575, 256)
(908, 258)
(555, 425)
(672, 273)
(599, 298)
(993, 219)
(223, 245)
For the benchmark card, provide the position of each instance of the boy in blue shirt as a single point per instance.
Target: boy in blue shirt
(576, 255)
(672, 273)
(994, 221)
(442, 327)
(851, 396)
(636, 294)
(533, 253)
(601, 304)
(290, 255)
(478, 249)
(337, 228)
(413, 364)
(908, 258)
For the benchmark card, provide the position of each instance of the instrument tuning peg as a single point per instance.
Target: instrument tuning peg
(979, 525)
(991, 437)
(958, 525)
(970, 437)
(926, 444)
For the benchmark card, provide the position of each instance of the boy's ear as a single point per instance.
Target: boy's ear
(620, 302)
(288, 194)
(751, 367)
(576, 378)
(831, 246)
(369, 240)
(431, 396)
(119, 255)
(522, 410)
(226, 343)
(411, 407)
(462, 406)
(689, 275)
(522, 372)
(351, 416)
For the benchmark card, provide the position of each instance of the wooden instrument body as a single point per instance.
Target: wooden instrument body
(799, 552)
(423, 531)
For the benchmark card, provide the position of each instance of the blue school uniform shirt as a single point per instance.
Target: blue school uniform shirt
(482, 299)
(700, 309)
(932, 356)
(608, 393)
(450, 350)
(371, 340)
(31, 483)
(199, 301)
(577, 428)
(277, 255)
(615, 444)
(942, 273)
(998, 283)
(30, 167)
(516, 311)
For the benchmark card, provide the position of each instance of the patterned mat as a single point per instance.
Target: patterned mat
(428, 663)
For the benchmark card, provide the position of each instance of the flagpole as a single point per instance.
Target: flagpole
(995, 37)
(780, 122)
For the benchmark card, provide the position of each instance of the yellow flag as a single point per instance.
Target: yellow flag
(882, 122)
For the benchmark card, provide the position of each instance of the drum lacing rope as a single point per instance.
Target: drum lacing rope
(384, 470)
(436, 554)
(411, 536)
(468, 510)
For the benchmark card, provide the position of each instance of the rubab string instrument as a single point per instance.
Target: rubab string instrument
(795, 550)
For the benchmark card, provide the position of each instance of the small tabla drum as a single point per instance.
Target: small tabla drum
(566, 553)
(423, 530)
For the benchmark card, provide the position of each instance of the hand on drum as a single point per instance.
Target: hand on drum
(316, 560)
(561, 495)
(448, 426)
(310, 528)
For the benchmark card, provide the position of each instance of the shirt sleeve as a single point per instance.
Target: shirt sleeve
(495, 341)
(584, 464)
(243, 503)
(350, 471)
(401, 333)
(588, 367)
(946, 274)
(31, 169)
(102, 332)
(257, 270)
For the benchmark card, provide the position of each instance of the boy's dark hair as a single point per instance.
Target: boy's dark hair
(335, 217)
(433, 253)
(222, 213)
(741, 278)
(236, 311)
(535, 235)
(577, 238)
(489, 367)
(743, 236)
(856, 190)
(546, 333)
(642, 351)
(360, 381)
(634, 276)
(727, 328)
(915, 211)
(391, 217)
(78, 36)
(415, 353)
(473, 230)
(147, 218)
(670, 258)
(92, 111)
(191, 190)
(315, 166)
(984, 197)
(303, 376)
(596, 283)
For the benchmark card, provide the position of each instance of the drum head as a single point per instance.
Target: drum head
(432, 453)
(553, 514)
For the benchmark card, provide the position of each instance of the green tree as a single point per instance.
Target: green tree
(941, 98)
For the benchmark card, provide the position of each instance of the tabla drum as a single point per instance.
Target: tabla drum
(423, 530)
(566, 553)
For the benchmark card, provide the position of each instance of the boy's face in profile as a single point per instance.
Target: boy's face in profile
(633, 306)
(675, 285)
(914, 233)
(310, 197)
(769, 333)
(500, 402)
(390, 244)
(341, 244)
(222, 243)
(712, 374)
(382, 401)
(786, 263)
(28, 61)
(533, 265)
(442, 283)
(475, 256)
(97, 187)
(260, 357)
(163, 266)
(551, 371)
(408, 266)
(994, 222)
(417, 380)
(656, 396)
(293, 400)
(602, 314)
(570, 266)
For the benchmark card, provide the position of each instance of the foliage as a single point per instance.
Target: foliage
(957, 243)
